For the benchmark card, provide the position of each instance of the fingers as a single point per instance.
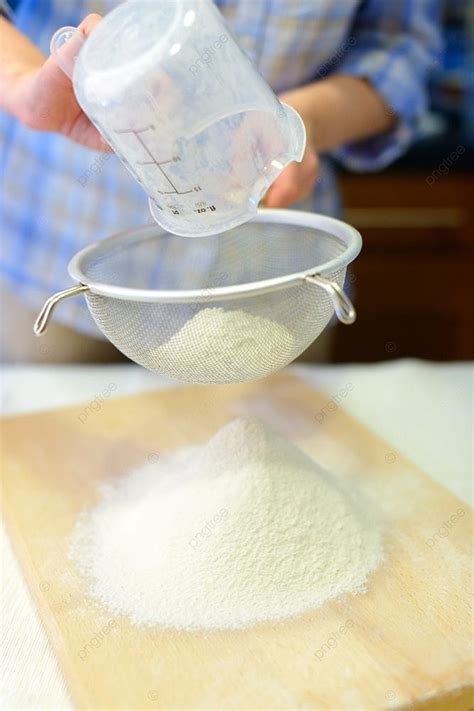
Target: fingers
(286, 189)
(88, 23)
(51, 97)
(84, 132)
(64, 54)
(296, 183)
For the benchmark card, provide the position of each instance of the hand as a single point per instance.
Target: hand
(295, 183)
(44, 100)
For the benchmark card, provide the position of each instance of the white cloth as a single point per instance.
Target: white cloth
(424, 410)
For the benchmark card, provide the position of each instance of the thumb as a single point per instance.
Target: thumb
(296, 182)
(285, 190)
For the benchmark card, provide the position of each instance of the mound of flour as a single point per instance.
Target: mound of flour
(242, 529)
(226, 344)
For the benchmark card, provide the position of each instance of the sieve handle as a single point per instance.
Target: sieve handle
(45, 314)
(343, 306)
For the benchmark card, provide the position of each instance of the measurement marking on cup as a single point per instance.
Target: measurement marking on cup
(153, 161)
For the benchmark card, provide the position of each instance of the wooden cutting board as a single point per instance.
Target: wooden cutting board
(406, 641)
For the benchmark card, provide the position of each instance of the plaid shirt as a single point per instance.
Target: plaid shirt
(58, 196)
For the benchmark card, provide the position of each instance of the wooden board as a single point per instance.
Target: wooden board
(405, 642)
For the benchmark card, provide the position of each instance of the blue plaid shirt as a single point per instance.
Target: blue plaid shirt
(58, 196)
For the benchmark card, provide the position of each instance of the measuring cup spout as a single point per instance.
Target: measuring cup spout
(66, 43)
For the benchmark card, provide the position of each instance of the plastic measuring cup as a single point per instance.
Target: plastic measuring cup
(185, 110)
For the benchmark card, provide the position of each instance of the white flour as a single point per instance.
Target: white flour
(243, 529)
(235, 344)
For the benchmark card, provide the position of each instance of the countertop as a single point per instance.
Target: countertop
(424, 410)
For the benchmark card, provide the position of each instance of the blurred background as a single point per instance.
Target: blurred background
(414, 278)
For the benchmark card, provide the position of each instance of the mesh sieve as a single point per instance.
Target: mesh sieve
(226, 308)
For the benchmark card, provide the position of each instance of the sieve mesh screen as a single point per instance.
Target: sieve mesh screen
(213, 338)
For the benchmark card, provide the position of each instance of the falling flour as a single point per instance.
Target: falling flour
(227, 345)
(242, 529)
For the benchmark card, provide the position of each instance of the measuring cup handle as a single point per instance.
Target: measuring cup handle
(66, 43)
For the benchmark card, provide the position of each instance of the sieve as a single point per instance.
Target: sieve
(229, 307)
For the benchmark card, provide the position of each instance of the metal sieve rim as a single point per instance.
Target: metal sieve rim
(348, 235)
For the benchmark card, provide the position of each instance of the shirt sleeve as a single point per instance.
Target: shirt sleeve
(395, 46)
(7, 9)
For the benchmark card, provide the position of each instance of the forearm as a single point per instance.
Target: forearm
(340, 109)
(18, 56)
